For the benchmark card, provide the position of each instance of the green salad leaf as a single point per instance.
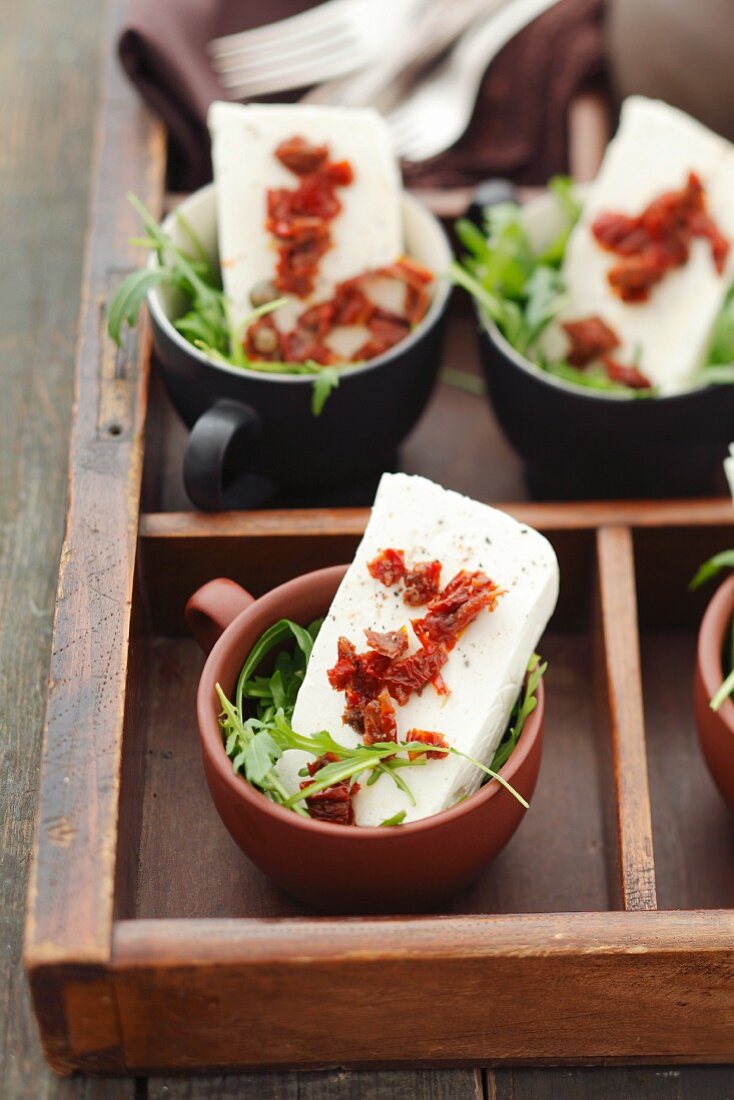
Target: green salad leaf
(207, 323)
(522, 291)
(256, 727)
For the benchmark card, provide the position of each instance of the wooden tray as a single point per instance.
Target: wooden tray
(603, 933)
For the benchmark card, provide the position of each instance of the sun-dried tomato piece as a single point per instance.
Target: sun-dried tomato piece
(299, 218)
(589, 339)
(412, 674)
(411, 269)
(451, 612)
(300, 156)
(342, 674)
(658, 240)
(703, 226)
(353, 715)
(340, 173)
(427, 737)
(351, 305)
(633, 279)
(380, 723)
(392, 644)
(334, 804)
(422, 583)
(626, 376)
(619, 233)
(388, 567)
(387, 331)
(320, 762)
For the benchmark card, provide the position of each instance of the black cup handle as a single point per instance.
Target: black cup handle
(216, 457)
(489, 193)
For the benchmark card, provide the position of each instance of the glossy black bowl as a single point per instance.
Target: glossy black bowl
(580, 443)
(254, 434)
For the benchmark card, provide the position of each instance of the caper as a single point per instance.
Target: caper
(265, 341)
(263, 292)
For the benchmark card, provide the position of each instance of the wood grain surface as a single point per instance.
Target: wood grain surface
(49, 58)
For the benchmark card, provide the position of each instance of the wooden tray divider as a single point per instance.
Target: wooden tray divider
(617, 625)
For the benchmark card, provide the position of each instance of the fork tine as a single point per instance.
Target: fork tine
(273, 34)
(305, 51)
(294, 76)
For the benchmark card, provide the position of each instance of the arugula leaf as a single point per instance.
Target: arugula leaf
(712, 567)
(522, 292)
(545, 297)
(255, 744)
(396, 819)
(721, 352)
(130, 295)
(524, 707)
(325, 381)
(207, 322)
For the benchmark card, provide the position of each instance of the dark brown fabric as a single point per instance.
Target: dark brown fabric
(519, 128)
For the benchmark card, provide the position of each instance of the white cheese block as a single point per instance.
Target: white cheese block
(367, 233)
(668, 336)
(486, 668)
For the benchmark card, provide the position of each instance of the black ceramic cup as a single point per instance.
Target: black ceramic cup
(579, 443)
(253, 434)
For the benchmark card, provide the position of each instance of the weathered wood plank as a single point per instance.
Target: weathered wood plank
(330, 1085)
(71, 886)
(623, 702)
(49, 82)
(245, 1086)
(604, 1083)
(481, 988)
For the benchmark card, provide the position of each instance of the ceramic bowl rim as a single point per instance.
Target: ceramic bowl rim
(210, 734)
(435, 311)
(489, 329)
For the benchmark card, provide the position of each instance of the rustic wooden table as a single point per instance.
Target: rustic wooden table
(49, 81)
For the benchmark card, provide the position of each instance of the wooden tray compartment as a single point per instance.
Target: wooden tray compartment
(150, 942)
(207, 876)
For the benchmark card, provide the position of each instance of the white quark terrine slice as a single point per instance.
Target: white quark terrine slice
(366, 234)
(484, 671)
(668, 336)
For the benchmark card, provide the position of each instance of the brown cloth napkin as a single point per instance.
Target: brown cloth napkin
(519, 127)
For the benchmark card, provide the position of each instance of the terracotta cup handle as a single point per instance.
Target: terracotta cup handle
(213, 607)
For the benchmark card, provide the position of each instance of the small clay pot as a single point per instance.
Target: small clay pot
(339, 868)
(716, 728)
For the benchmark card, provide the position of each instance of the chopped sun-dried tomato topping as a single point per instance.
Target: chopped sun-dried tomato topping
(388, 567)
(411, 674)
(422, 582)
(627, 376)
(458, 605)
(334, 804)
(589, 339)
(380, 723)
(658, 239)
(300, 156)
(427, 737)
(392, 644)
(299, 218)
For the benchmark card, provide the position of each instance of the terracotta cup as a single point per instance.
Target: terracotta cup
(716, 728)
(338, 868)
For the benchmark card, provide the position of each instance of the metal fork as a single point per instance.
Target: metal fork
(380, 84)
(438, 112)
(330, 40)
